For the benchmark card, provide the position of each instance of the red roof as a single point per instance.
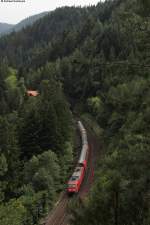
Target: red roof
(32, 93)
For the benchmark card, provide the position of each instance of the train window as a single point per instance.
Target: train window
(77, 169)
(80, 164)
(74, 178)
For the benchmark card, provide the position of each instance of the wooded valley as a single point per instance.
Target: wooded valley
(94, 61)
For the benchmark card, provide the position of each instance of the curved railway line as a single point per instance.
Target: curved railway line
(59, 215)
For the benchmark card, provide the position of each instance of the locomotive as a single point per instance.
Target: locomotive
(77, 177)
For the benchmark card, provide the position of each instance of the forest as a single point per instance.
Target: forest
(94, 61)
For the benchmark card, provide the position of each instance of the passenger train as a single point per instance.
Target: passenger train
(77, 177)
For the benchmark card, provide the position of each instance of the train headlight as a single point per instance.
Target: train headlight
(72, 186)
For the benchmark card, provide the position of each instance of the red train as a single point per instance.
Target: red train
(77, 177)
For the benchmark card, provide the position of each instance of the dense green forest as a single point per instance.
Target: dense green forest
(35, 143)
(98, 59)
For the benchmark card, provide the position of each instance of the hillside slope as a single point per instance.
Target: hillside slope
(4, 27)
(99, 56)
(29, 21)
(45, 36)
(8, 28)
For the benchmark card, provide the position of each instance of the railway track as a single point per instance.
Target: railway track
(59, 215)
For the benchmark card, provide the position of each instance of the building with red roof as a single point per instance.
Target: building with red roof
(32, 93)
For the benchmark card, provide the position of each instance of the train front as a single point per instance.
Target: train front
(72, 186)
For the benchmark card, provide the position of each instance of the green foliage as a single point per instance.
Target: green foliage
(66, 162)
(12, 213)
(3, 170)
(145, 6)
(95, 105)
(42, 172)
(3, 165)
(11, 81)
(10, 151)
(121, 185)
(98, 56)
(44, 125)
(25, 210)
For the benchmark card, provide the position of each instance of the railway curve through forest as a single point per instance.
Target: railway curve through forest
(59, 215)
